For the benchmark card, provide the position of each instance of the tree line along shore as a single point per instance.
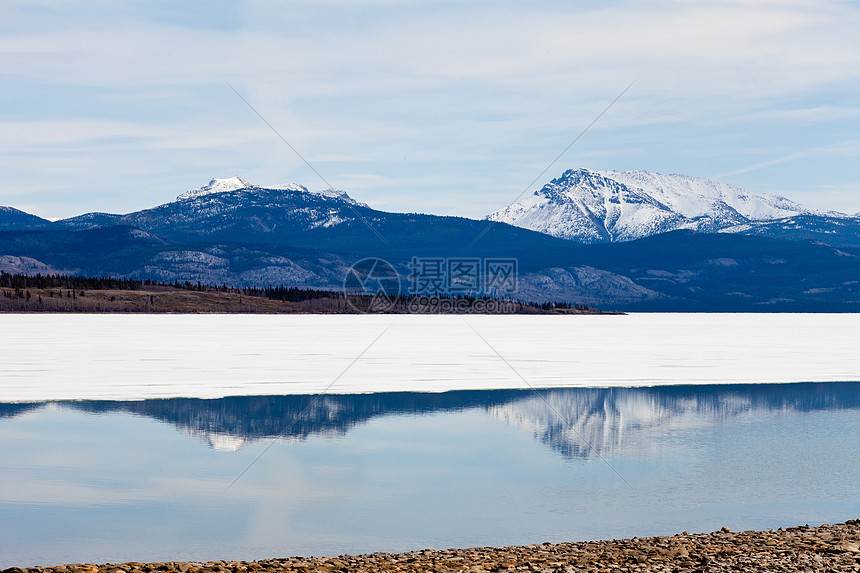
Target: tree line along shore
(824, 548)
(76, 294)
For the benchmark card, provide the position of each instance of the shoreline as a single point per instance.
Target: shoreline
(161, 300)
(826, 547)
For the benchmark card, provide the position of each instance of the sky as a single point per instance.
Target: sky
(451, 108)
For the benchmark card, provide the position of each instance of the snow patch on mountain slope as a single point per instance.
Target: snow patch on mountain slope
(288, 187)
(328, 193)
(696, 197)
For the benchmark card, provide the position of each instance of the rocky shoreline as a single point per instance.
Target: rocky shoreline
(824, 548)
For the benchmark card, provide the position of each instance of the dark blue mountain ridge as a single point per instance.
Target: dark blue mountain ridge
(678, 271)
(287, 217)
(834, 231)
(289, 236)
(284, 215)
(12, 219)
(89, 221)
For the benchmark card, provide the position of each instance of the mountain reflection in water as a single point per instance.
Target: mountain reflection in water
(576, 422)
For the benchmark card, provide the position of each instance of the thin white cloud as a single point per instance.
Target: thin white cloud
(850, 148)
(48, 136)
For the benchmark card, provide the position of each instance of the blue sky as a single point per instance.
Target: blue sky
(438, 107)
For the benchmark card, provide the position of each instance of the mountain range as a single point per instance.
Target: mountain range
(630, 241)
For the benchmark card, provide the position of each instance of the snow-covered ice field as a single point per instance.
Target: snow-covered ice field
(122, 357)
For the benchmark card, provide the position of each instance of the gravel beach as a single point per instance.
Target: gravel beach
(824, 548)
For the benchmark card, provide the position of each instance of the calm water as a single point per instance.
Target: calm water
(101, 481)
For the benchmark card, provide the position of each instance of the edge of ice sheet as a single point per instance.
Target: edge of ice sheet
(131, 357)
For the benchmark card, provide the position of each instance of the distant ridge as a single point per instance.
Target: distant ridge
(12, 219)
(661, 243)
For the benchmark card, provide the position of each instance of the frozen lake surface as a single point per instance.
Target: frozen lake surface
(120, 357)
(123, 357)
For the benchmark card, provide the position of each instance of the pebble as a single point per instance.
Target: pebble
(803, 548)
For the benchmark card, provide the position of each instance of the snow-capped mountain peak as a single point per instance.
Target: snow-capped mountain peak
(609, 206)
(236, 183)
(216, 186)
(340, 194)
